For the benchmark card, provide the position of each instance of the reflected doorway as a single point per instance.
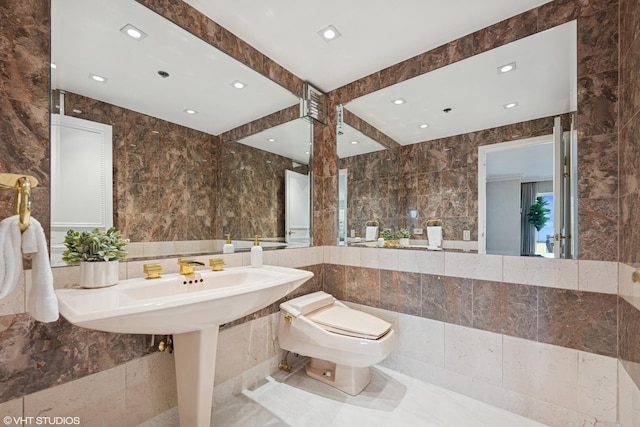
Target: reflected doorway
(526, 206)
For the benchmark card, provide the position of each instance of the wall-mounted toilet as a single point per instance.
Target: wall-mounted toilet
(342, 342)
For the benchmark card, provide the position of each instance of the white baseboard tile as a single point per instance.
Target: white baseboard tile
(598, 387)
(542, 371)
(476, 389)
(473, 353)
(12, 409)
(540, 410)
(421, 339)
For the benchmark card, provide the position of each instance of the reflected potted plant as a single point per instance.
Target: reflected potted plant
(537, 215)
(98, 253)
(403, 236)
(388, 236)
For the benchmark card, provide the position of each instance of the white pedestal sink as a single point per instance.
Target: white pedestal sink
(189, 309)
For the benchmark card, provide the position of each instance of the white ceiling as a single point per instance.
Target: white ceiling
(352, 142)
(291, 140)
(86, 38)
(530, 163)
(543, 85)
(375, 33)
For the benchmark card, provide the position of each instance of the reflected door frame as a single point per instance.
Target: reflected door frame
(483, 151)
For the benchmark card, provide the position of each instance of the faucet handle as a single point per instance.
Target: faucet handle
(152, 270)
(217, 264)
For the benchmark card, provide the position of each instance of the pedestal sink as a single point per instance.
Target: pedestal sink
(189, 308)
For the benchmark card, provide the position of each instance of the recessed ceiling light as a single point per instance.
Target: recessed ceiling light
(510, 105)
(97, 78)
(54, 66)
(133, 32)
(424, 126)
(271, 140)
(238, 84)
(355, 142)
(190, 111)
(399, 101)
(329, 33)
(506, 68)
(76, 111)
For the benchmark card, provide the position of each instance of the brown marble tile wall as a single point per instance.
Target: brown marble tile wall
(629, 129)
(629, 154)
(164, 173)
(372, 184)
(251, 192)
(597, 121)
(325, 181)
(35, 356)
(580, 320)
(24, 100)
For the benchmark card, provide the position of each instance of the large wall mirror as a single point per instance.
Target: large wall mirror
(168, 95)
(441, 119)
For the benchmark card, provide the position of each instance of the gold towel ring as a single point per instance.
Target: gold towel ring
(22, 184)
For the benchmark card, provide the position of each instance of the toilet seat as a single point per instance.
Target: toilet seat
(354, 323)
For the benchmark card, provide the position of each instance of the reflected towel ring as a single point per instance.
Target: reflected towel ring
(434, 222)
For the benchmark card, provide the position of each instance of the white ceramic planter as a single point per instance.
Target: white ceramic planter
(98, 274)
(404, 241)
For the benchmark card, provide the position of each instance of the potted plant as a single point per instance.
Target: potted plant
(403, 236)
(98, 253)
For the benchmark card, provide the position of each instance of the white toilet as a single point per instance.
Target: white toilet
(342, 342)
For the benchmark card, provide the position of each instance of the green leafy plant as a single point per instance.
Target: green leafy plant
(387, 234)
(403, 233)
(537, 215)
(93, 246)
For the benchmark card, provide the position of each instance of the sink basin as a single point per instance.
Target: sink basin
(172, 305)
(190, 309)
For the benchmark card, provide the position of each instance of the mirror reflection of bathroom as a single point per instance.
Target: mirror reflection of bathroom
(438, 146)
(281, 174)
(179, 102)
(367, 186)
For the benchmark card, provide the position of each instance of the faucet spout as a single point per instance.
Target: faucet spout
(187, 265)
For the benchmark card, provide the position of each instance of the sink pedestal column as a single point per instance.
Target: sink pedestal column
(195, 358)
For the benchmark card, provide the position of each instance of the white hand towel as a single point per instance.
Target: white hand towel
(10, 255)
(434, 234)
(371, 233)
(42, 303)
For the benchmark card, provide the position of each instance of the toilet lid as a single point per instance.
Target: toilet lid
(346, 321)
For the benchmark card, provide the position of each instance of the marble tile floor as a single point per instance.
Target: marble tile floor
(391, 399)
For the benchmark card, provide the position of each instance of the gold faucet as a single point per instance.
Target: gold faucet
(217, 264)
(152, 270)
(188, 265)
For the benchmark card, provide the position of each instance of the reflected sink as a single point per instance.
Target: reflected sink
(190, 309)
(172, 305)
